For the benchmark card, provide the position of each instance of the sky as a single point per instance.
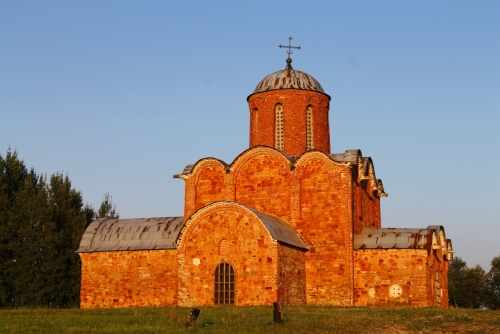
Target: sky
(122, 95)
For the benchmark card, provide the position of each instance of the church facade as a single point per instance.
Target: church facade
(286, 221)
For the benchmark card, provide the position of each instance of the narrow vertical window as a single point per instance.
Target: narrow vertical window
(254, 120)
(437, 285)
(224, 284)
(279, 141)
(309, 129)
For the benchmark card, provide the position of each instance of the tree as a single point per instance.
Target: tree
(107, 209)
(465, 285)
(492, 285)
(41, 225)
(13, 174)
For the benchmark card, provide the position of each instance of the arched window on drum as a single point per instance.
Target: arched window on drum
(309, 128)
(279, 133)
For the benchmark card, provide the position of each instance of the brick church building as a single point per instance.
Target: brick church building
(286, 221)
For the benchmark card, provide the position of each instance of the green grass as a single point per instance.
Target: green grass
(250, 320)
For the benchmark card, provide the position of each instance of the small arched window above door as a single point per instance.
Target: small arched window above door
(224, 289)
(224, 248)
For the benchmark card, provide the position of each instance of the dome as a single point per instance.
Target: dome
(288, 79)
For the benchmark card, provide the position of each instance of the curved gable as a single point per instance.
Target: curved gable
(255, 151)
(193, 169)
(261, 177)
(306, 157)
(276, 228)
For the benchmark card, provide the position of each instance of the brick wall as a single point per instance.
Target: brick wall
(377, 270)
(128, 278)
(246, 245)
(263, 183)
(264, 179)
(210, 185)
(437, 284)
(366, 205)
(318, 197)
(292, 276)
(295, 102)
(207, 184)
(326, 226)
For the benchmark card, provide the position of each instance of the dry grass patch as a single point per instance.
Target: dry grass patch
(250, 320)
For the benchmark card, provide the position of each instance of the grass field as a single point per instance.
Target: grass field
(250, 320)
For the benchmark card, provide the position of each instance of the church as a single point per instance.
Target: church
(286, 221)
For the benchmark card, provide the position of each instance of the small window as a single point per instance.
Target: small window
(279, 141)
(309, 129)
(254, 121)
(437, 286)
(224, 284)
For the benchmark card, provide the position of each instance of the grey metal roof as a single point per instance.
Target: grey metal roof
(188, 169)
(348, 156)
(109, 234)
(280, 230)
(398, 238)
(287, 79)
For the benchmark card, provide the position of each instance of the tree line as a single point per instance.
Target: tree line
(474, 287)
(42, 221)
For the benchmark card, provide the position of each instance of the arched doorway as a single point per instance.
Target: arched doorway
(224, 284)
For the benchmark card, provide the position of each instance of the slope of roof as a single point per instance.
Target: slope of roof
(385, 238)
(109, 234)
(350, 156)
(279, 230)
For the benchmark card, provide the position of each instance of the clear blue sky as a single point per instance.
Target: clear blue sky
(121, 95)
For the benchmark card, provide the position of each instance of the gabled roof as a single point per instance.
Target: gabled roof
(109, 234)
(432, 237)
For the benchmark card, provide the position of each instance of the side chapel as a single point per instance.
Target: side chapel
(286, 221)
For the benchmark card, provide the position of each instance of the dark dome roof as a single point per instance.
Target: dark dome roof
(288, 79)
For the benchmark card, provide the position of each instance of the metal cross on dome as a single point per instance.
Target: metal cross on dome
(289, 47)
